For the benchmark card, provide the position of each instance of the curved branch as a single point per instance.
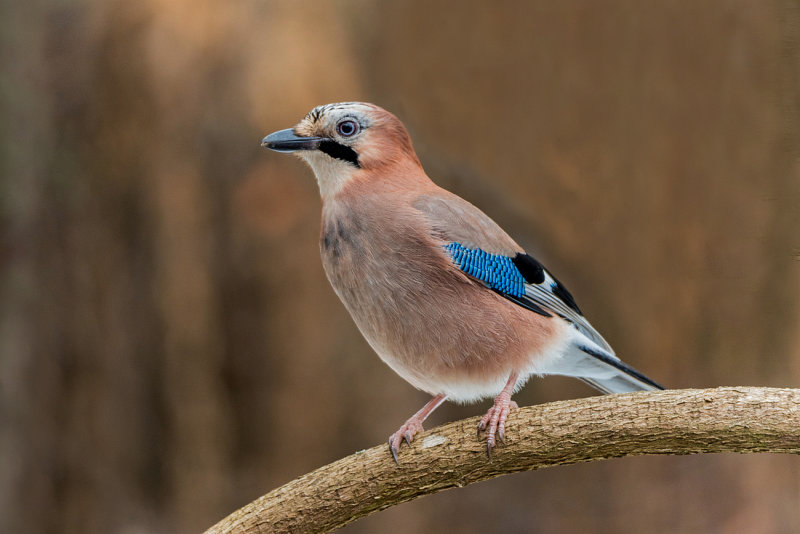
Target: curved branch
(741, 419)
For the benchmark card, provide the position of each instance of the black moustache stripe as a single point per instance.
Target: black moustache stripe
(340, 151)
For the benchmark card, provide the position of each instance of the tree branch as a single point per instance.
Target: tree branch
(741, 419)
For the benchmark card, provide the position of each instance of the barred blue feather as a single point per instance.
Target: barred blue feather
(496, 271)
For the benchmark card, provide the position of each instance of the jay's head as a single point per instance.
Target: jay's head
(346, 140)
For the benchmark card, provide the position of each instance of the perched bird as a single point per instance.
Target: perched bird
(444, 296)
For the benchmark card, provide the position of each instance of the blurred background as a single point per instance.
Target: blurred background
(170, 348)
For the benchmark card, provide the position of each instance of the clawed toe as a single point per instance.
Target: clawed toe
(405, 433)
(393, 448)
(414, 425)
(494, 422)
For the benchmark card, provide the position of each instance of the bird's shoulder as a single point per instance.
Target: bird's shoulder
(454, 219)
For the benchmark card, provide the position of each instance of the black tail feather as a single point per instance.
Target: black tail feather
(620, 366)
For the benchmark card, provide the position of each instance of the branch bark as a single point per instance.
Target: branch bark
(730, 419)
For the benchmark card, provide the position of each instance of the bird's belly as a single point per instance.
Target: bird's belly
(440, 331)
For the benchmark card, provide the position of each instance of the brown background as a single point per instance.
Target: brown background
(170, 348)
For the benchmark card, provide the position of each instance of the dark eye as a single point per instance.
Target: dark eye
(347, 128)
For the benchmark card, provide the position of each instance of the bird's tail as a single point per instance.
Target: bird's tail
(593, 361)
(620, 384)
(618, 377)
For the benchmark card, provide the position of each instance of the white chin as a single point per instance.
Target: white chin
(332, 174)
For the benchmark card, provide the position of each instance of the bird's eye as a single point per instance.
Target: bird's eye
(347, 128)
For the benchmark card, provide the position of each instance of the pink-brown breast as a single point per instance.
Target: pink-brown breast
(438, 329)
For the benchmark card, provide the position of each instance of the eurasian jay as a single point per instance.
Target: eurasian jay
(444, 296)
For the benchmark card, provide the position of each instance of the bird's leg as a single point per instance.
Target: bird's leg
(495, 419)
(413, 425)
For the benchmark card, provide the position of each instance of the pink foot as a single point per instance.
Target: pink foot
(406, 433)
(414, 425)
(494, 422)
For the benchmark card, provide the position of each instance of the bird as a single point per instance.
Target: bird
(444, 296)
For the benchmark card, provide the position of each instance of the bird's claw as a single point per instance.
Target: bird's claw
(494, 422)
(406, 433)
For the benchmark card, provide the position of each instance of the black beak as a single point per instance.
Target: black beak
(287, 141)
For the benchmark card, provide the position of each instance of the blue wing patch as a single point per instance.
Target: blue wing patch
(496, 271)
(523, 281)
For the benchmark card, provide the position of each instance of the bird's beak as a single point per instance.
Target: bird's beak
(287, 141)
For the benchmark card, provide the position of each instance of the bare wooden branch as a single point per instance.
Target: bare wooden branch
(730, 419)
